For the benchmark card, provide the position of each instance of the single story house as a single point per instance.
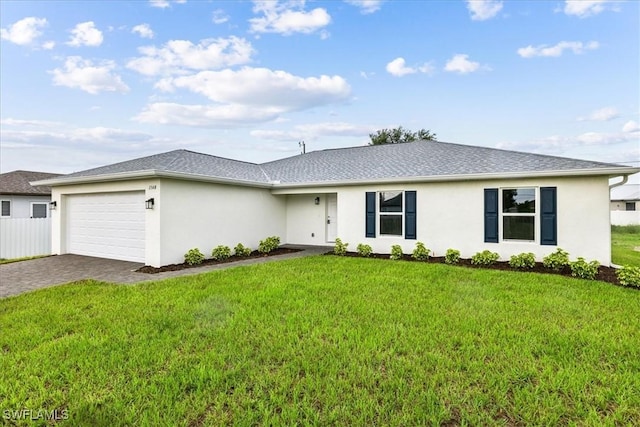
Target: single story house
(625, 205)
(20, 199)
(153, 209)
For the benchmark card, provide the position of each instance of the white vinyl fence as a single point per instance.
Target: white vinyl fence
(625, 217)
(21, 237)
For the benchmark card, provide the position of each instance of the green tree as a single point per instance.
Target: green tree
(400, 135)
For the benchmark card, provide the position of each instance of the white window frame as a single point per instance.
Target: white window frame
(10, 208)
(380, 214)
(534, 214)
(46, 208)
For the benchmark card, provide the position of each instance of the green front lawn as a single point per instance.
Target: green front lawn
(624, 241)
(327, 341)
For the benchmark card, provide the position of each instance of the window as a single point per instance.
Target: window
(518, 213)
(390, 204)
(6, 208)
(38, 210)
(630, 206)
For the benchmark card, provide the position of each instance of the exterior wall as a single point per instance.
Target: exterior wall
(451, 215)
(625, 217)
(621, 205)
(205, 215)
(152, 219)
(306, 221)
(21, 205)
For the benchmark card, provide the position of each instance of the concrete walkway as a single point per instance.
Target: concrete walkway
(23, 276)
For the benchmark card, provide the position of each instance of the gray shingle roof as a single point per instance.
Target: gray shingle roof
(415, 160)
(17, 183)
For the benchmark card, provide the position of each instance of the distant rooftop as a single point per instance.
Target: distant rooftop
(626, 192)
(18, 183)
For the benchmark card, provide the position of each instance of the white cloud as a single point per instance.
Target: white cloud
(25, 31)
(176, 56)
(398, 68)
(143, 30)
(163, 4)
(601, 115)
(219, 17)
(314, 131)
(461, 64)
(48, 45)
(85, 75)
(631, 126)
(482, 10)
(262, 87)
(366, 6)
(85, 34)
(287, 18)
(557, 50)
(584, 8)
(212, 116)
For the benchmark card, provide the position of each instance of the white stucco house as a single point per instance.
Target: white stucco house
(154, 209)
(20, 199)
(625, 205)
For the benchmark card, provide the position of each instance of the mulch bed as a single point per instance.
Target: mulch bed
(605, 274)
(233, 258)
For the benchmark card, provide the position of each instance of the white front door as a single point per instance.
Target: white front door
(332, 217)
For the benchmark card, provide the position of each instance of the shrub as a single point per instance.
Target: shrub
(421, 253)
(452, 256)
(269, 244)
(583, 269)
(523, 260)
(242, 250)
(485, 257)
(396, 252)
(629, 276)
(556, 260)
(364, 250)
(340, 248)
(220, 253)
(194, 257)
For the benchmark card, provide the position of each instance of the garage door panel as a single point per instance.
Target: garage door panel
(107, 225)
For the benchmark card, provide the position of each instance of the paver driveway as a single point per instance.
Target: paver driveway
(23, 276)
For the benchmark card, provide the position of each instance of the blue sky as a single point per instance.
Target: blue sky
(90, 83)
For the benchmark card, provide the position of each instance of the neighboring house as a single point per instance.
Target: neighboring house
(625, 205)
(445, 195)
(20, 199)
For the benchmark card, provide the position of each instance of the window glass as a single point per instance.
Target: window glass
(520, 200)
(39, 210)
(6, 208)
(518, 228)
(630, 206)
(391, 224)
(391, 201)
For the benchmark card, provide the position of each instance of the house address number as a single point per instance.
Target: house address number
(152, 187)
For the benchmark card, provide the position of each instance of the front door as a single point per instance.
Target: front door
(332, 217)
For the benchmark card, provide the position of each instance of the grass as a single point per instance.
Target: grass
(623, 241)
(26, 258)
(327, 341)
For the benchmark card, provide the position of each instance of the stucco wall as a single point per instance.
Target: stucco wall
(204, 215)
(306, 221)
(21, 205)
(450, 215)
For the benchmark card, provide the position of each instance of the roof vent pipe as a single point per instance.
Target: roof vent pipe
(302, 146)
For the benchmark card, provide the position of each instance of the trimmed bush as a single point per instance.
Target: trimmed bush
(396, 252)
(421, 253)
(220, 253)
(340, 248)
(629, 276)
(452, 256)
(583, 269)
(364, 250)
(556, 260)
(194, 257)
(269, 244)
(485, 257)
(242, 250)
(523, 260)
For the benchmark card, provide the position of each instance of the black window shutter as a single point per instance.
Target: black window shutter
(370, 219)
(491, 215)
(548, 216)
(409, 214)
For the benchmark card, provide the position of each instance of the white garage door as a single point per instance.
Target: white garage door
(107, 225)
